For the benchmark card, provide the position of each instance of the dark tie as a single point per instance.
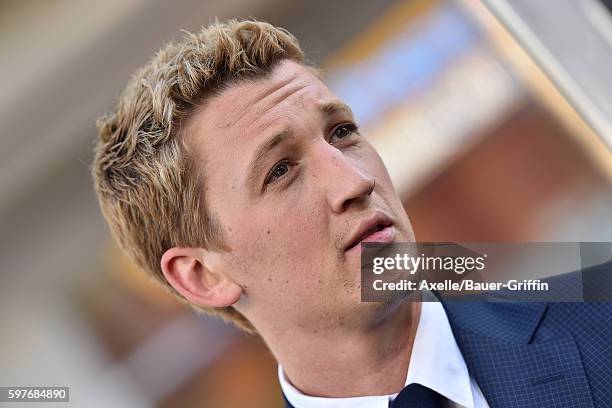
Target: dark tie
(418, 396)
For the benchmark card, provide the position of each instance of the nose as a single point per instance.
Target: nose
(346, 183)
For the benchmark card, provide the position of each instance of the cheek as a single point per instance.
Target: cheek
(280, 244)
(375, 165)
(292, 234)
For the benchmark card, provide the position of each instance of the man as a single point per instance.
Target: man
(236, 178)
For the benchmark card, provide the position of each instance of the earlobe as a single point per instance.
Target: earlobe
(188, 274)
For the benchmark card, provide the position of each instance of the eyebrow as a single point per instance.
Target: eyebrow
(330, 108)
(257, 164)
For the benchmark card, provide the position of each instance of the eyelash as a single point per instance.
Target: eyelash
(271, 179)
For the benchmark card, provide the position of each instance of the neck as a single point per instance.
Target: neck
(348, 362)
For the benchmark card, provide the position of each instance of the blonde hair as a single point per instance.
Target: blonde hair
(149, 188)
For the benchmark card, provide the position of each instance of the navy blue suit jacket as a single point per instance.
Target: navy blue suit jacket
(539, 354)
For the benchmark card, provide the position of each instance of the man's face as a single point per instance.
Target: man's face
(290, 179)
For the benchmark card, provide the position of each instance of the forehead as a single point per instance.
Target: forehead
(234, 121)
(251, 102)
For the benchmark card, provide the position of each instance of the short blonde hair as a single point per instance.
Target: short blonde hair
(149, 188)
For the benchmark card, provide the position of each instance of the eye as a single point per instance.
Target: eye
(343, 131)
(279, 170)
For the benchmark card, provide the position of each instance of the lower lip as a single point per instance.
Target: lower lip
(386, 234)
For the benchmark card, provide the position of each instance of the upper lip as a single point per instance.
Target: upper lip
(369, 225)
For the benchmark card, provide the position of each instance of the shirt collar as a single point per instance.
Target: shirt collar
(436, 362)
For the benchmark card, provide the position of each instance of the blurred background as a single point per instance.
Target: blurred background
(494, 118)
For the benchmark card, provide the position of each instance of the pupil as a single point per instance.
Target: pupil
(280, 170)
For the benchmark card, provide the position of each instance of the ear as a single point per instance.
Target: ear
(186, 271)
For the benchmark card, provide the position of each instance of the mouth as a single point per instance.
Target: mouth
(378, 228)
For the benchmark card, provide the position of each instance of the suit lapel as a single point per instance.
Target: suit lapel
(512, 370)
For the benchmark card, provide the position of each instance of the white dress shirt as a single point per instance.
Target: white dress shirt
(436, 362)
